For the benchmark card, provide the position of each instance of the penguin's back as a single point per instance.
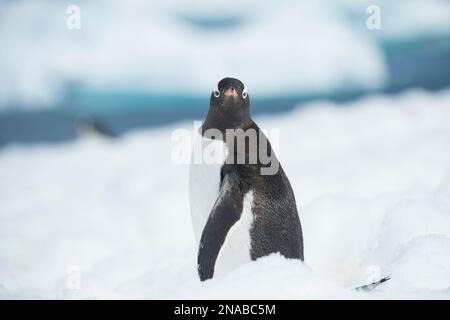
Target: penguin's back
(276, 226)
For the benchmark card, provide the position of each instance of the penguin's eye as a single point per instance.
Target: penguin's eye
(244, 93)
(216, 93)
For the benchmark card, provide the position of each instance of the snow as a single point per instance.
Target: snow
(153, 46)
(157, 46)
(371, 179)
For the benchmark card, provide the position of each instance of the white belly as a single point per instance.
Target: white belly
(204, 185)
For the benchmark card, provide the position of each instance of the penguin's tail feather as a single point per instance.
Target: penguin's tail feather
(373, 285)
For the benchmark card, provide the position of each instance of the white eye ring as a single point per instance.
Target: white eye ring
(216, 93)
(244, 93)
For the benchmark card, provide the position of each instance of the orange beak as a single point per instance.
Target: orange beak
(231, 92)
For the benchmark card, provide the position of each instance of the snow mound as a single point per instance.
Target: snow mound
(164, 46)
(371, 178)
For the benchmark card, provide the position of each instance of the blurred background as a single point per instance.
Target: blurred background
(363, 116)
(150, 63)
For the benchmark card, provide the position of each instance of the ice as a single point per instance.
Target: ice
(165, 47)
(279, 48)
(371, 179)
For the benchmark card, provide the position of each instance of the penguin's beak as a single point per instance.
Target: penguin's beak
(231, 92)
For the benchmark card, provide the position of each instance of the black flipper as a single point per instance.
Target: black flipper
(373, 285)
(225, 213)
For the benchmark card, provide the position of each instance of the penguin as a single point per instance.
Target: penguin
(241, 201)
(90, 126)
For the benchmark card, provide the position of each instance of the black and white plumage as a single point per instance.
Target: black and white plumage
(239, 214)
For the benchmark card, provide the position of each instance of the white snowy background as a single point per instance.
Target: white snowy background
(371, 179)
(303, 47)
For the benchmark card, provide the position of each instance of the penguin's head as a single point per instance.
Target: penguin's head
(229, 107)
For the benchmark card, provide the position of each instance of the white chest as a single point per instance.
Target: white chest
(204, 187)
(204, 180)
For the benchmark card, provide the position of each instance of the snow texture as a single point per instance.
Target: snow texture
(165, 46)
(371, 179)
